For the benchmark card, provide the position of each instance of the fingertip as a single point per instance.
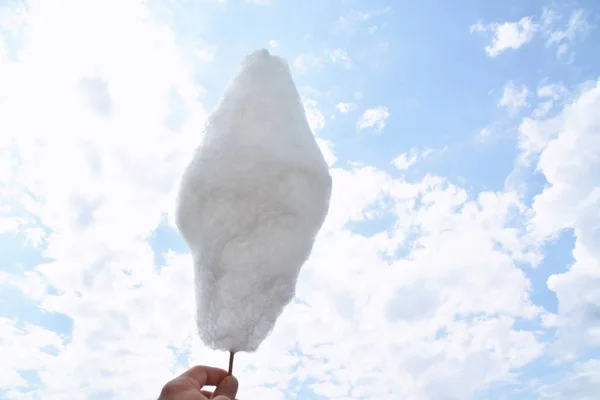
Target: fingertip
(227, 388)
(230, 380)
(231, 384)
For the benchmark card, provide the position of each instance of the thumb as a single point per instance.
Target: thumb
(226, 389)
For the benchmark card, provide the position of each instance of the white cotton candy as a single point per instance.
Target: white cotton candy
(251, 203)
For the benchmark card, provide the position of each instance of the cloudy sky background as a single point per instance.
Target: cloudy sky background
(461, 255)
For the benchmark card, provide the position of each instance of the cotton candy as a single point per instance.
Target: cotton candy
(250, 204)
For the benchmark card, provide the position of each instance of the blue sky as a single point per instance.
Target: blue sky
(461, 255)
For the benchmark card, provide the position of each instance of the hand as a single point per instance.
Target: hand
(188, 386)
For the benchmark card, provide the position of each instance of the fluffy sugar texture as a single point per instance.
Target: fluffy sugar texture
(251, 203)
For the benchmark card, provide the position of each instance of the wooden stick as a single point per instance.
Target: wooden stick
(230, 370)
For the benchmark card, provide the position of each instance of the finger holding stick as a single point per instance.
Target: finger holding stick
(190, 385)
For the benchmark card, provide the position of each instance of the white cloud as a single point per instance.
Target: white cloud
(273, 44)
(406, 160)
(552, 91)
(549, 18)
(24, 344)
(354, 18)
(576, 26)
(507, 35)
(345, 107)
(101, 167)
(374, 118)
(260, 2)
(583, 382)
(327, 148)
(567, 146)
(534, 136)
(310, 61)
(305, 62)
(427, 271)
(6, 167)
(514, 97)
(316, 121)
(562, 49)
(513, 35)
(14, 19)
(549, 94)
(339, 56)
(11, 224)
(542, 109)
(315, 117)
(484, 133)
(206, 53)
